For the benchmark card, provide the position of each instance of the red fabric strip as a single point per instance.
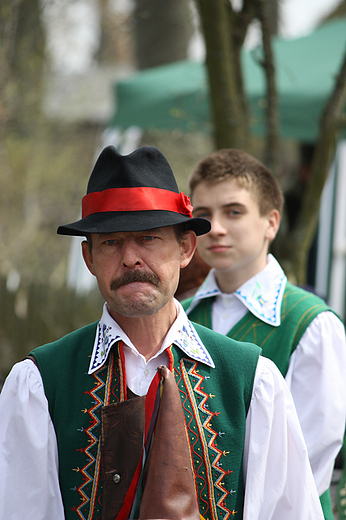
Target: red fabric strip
(123, 383)
(130, 495)
(150, 401)
(135, 199)
(149, 408)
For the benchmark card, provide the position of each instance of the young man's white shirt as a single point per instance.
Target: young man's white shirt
(316, 373)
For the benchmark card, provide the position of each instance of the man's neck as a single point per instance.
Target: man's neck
(147, 333)
(230, 280)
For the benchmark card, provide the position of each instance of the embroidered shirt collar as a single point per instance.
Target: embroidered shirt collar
(262, 294)
(182, 334)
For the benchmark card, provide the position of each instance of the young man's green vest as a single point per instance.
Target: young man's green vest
(298, 309)
(215, 402)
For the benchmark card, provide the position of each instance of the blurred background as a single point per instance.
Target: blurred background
(71, 75)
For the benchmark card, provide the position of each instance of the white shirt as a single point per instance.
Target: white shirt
(278, 479)
(317, 368)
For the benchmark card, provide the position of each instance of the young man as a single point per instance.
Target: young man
(247, 296)
(77, 416)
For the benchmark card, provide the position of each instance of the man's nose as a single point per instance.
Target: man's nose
(131, 255)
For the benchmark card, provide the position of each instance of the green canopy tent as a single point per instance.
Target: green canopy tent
(176, 96)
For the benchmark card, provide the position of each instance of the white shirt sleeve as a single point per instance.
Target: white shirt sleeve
(279, 484)
(29, 482)
(317, 381)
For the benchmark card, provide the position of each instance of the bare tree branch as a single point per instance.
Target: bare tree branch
(272, 153)
(230, 122)
(156, 26)
(331, 123)
(240, 20)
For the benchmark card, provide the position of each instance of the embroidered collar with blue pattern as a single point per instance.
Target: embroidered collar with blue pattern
(262, 294)
(182, 334)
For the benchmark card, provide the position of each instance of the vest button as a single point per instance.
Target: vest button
(116, 478)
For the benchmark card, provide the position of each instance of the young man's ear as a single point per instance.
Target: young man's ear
(88, 258)
(273, 224)
(187, 248)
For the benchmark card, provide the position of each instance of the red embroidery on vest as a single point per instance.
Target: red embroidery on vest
(106, 389)
(210, 457)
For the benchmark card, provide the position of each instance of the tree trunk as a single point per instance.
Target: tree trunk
(26, 67)
(116, 45)
(9, 15)
(163, 29)
(272, 151)
(226, 96)
(273, 16)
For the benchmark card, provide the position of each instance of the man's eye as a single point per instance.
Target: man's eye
(148, 238)
(110, 242)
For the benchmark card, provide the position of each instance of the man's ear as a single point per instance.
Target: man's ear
(88, 258)
(187, 248)
(273, 224)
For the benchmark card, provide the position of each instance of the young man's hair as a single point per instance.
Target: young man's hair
(248, 172)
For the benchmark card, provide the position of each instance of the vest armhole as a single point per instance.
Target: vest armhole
(32, 359)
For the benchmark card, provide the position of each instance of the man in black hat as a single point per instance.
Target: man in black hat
(143, 414)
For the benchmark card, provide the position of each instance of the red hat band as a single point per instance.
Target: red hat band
(135, 199)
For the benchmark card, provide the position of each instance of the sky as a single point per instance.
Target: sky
(299, 17)
(73, 33)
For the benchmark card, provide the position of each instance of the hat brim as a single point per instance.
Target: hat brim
(132, 221)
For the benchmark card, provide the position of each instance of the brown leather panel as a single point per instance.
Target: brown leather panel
(122, 428)
(169, 490)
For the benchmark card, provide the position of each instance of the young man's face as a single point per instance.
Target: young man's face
(138, 272)
(237, 244)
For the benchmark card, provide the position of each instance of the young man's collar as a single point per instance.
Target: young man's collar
(182, 334)
(262, 294)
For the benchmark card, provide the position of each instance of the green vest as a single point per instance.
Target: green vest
(298, 309)
(215, 402)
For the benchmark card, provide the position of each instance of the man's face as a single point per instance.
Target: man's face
(239, 236)
(138, 272)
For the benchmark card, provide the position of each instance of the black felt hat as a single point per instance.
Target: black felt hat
(133, 192)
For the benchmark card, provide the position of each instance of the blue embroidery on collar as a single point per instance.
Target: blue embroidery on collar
(200, 295)
(189, 342)
(204, 294)
(102, 346)
(192, 345)
(261, 311)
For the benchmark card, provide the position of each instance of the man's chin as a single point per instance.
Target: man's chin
(136, 303)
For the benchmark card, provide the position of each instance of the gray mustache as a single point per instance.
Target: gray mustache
(135, 276)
